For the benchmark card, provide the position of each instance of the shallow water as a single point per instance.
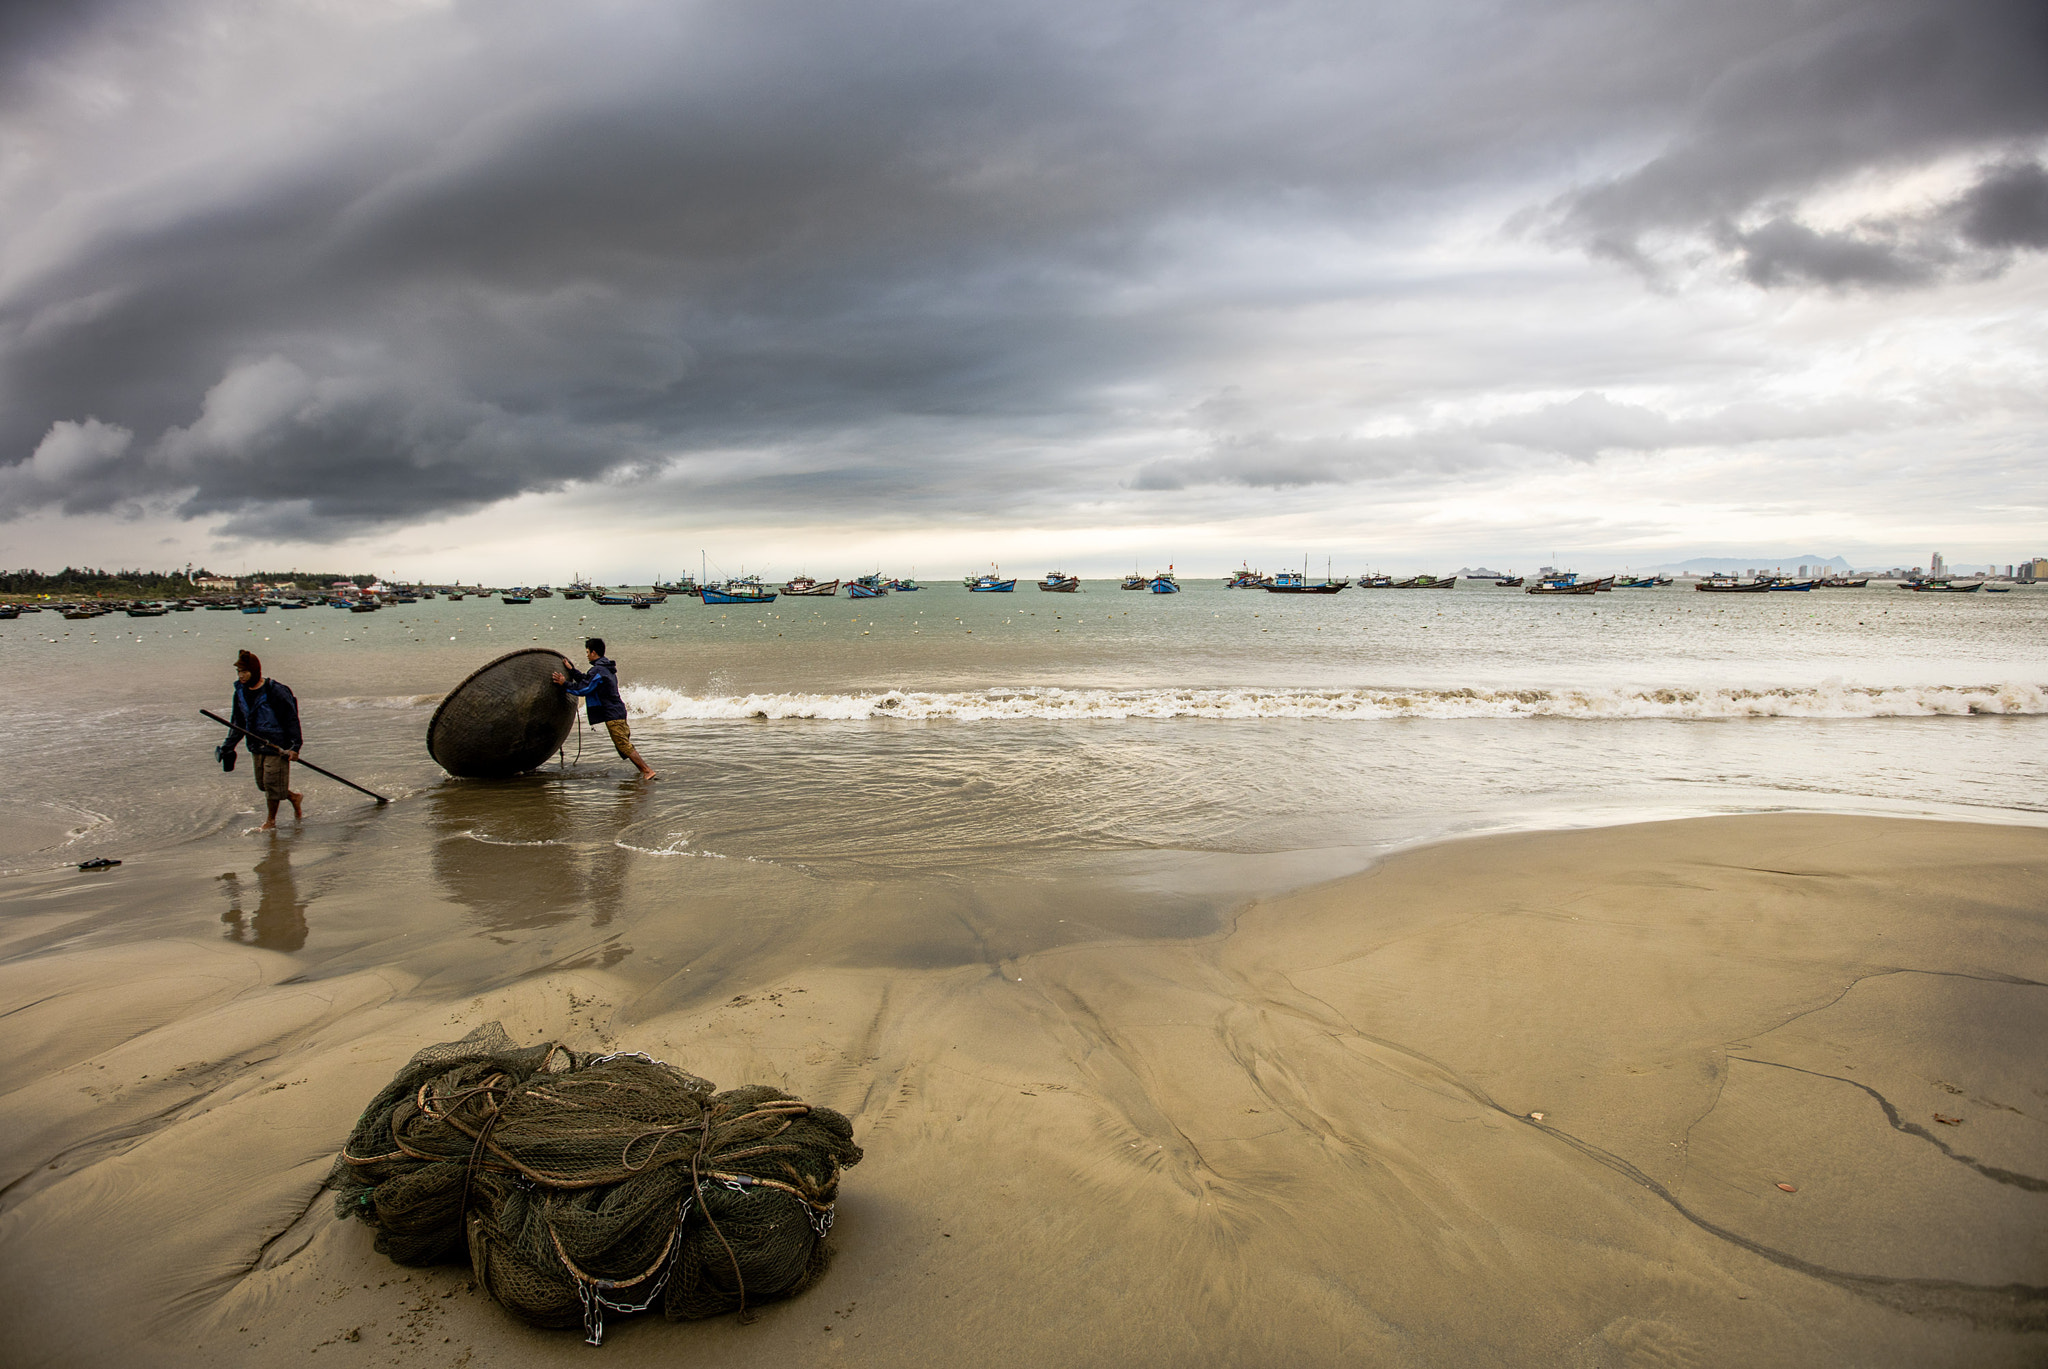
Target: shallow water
(1142, 762)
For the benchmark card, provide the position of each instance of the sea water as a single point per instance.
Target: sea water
(1166, 754)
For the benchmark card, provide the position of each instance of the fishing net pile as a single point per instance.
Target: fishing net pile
(575, 1184)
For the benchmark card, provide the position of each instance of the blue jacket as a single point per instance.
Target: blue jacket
(269, 711)
(599, 689)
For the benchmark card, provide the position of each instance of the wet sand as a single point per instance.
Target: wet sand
(1307, 1132)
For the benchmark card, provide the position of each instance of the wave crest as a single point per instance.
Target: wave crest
(1829, 700)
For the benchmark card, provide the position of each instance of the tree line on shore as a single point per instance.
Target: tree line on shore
(149, 584)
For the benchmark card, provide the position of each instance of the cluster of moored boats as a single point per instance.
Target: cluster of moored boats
(751, 589)
(364, 602)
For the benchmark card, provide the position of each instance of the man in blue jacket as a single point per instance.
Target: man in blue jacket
(599, 689)
(270, 713)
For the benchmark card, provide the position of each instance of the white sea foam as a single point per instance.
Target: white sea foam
(1828, 700)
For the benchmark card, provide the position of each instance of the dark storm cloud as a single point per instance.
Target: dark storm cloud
(837, 259)
(1849, 88)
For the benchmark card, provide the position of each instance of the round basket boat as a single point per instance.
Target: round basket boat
(508, 717)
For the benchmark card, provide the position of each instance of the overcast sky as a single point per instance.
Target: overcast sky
(507, 289)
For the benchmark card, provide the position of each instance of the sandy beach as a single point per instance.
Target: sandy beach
(1523, 1099)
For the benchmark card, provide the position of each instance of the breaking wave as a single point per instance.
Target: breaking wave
(1829, 700)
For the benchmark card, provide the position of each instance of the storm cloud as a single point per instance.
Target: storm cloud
(302, 271)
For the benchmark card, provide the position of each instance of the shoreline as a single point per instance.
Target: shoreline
(1302, 1134)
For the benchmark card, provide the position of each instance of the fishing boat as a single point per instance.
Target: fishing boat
(1164, 582)
(804, 585)
(989, 584)
(255, 608)
(1795, 586)
(289, 604)
(606, 597)
(1998, 589)
(147, 610)
(867, 587)
(1942, 587)
(364, 605)
(737, 592)
(1509, 582)
(907, 585)
(1059, 582)
(1561, 587)
(1244, 577)
(1839, 582)
(456, 596)
(9, 612)
(1135, 581)
(1297, 582)
(1427, 582)
(1733, 587)
(543, 592)
(516, 598)
(1636, 582)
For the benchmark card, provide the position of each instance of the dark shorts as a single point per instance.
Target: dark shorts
(622, 735)
(273, 775)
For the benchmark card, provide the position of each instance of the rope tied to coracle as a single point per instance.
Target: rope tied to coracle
(561, 1177)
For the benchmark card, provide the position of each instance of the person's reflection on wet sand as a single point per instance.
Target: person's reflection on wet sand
(279, 920)
(605, 885)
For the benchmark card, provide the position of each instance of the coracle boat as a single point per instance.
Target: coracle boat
(1059, 582)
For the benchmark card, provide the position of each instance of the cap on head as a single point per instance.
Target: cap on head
(594, 644)
(246, 660)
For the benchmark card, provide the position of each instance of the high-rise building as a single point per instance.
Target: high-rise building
(1936, 569)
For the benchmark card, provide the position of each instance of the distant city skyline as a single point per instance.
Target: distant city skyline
(509, 291)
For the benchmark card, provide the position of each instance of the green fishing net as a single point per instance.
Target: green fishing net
(574, 1184)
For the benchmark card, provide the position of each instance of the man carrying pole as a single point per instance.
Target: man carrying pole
(268, 715)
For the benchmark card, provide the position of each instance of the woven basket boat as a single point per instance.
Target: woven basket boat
(508, 717)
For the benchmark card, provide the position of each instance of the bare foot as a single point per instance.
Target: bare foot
(298, 807)
(270, 826)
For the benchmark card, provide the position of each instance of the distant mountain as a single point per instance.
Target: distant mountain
(1702, 565)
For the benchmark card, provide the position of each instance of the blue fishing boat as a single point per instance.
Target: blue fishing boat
(906, 586)
(989, 584)
(737, 593)
(867, 587)
(1164, 583)
(255, 608)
